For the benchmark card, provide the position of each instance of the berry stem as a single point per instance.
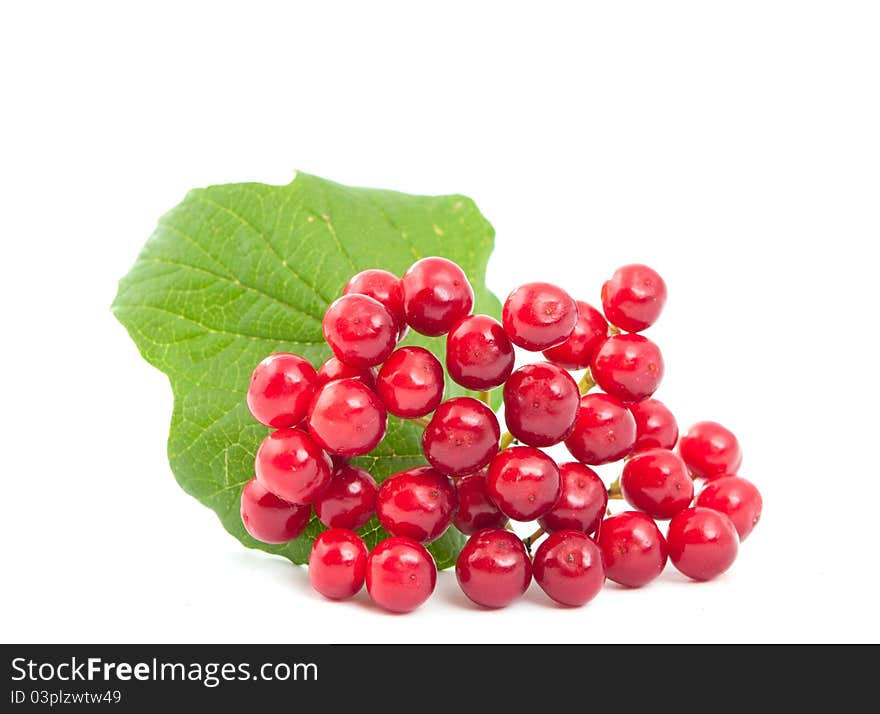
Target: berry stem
(614, 490)
(508, 527)
(587, 382)
(484, 396)
(506, 440)
(532, 538)
(612, 330)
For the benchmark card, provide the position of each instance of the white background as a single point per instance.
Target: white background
(733, 146)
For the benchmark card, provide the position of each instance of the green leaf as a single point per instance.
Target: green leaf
(238, 271)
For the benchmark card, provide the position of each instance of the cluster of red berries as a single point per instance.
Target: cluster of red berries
(478, 480)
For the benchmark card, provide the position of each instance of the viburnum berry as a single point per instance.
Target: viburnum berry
(590, 331)
(461, 437)
(479, 354)
(656, 427)
(271, 519)
(634, 297)
(417, 503)
(334, 369)
(737, 499)
(568, 567)
(382, 286)
(633, 549)
(410, 383)
(350, 499)
(538, 316)
(347, 418)
(401, 574)
(291, 464)
(702, 543)
(582, 503)
(657, 482)
(710, 450)
(629, 367)
(540, 404)
(523, 482)
(436, 295)
(280, 390)
(338, 563)
(359, 330)
(476, 511)
(604, 430)
(493, 569)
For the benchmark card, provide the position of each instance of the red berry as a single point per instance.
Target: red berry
(590, 331)
(538, 316)
(634, 297)
(702, 543)
(436, 295)
(737, 499)
(401, 574)
(633, 549)
(657, 482)
(629, 367)
(350, 499)
(462, 436)
(523, 482)
(582, 504)
(479, 354)
(281, 387)
(540, 404)
(493, 569)
(359, 330)
(338, 563)
(568, 567)
(710, 450)
(334, 369)
(604, 430)
(410, 383)
(271, 519)
(291, 464)
(418, 503)
(656, 427)
(347, 418)
(476, 510)
(383, 287)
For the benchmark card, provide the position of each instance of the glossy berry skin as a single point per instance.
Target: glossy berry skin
(523, 482)
(710, 450)
(338, 563)
(291, 464)
(633, 549)
(280, 390)
(656, 427)
(476, 511)
(410, 383)
(604, 430)
(382, 286)
(401, 574)
(582, 503)
(634, 297)
(418, 503)
(590, 331)
(346, 418)
(334, 369)
(540, 404)
(462, 436)
(436, 295)
(350, 499)
(271, 519)
(702, 543)
(479, 354)
(737, 499)
(629, 367)
(493, 569)
(359, 330)
(568, 567)
(538, 316)
(657, 482)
